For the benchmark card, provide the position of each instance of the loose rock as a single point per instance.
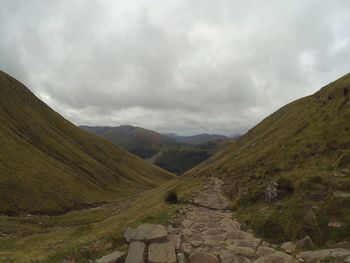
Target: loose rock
(115, 257)
(289, 247)
(203, 258)
(148, 233)
(305, 243)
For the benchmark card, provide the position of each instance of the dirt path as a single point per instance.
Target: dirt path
(210, 234)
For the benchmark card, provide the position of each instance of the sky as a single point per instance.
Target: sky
(184, 66)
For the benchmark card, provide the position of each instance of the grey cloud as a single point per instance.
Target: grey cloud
(183, 66)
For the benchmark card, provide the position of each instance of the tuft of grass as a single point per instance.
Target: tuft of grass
(171, 197)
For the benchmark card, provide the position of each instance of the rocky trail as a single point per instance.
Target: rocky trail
(210, 234)
(207, 233)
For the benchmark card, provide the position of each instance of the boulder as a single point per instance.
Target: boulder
(136, 253)
(244, 251)
(264, 250)
(251, 243)
(277, 257)
(227, 256)
(115, 257)
(288, 247)
(203, 258)
(313, 256)
(148, 233)
(161, 253)
(305, 243)
(129, 233)
(341, 253)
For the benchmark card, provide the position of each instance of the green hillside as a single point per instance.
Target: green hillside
(305, 148)
(49, 166)
(176, 154)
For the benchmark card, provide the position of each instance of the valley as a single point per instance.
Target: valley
(68, 195)
(50, 166)
(174, 153)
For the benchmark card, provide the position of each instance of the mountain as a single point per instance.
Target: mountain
(174, 153)
(301, 154)
(197, 139)
(50, 166)
(142, 142)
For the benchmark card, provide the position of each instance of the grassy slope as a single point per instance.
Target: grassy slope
(301, 146)
(48, 165)
(84, 234)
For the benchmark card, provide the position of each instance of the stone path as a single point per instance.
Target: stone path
(209, 234)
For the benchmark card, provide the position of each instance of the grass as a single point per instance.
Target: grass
(50, 166)
(83, 235)
(301, 146)
(180, 159)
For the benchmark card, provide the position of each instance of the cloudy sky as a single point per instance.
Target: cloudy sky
(185, 66)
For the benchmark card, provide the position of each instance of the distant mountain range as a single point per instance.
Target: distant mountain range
(197, 139)
(169, 151)
(50, 166)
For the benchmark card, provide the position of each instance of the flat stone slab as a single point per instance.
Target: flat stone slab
(115, 257)
(277, 257)
(204, 258)
(162, 253)
(317, 255)
(176, 240)
(136, 253)
(148, 233)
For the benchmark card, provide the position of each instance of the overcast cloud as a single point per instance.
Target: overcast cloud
(185, 66)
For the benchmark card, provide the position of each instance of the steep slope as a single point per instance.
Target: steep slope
(174, 153)
(305, 148)
(48, 165)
